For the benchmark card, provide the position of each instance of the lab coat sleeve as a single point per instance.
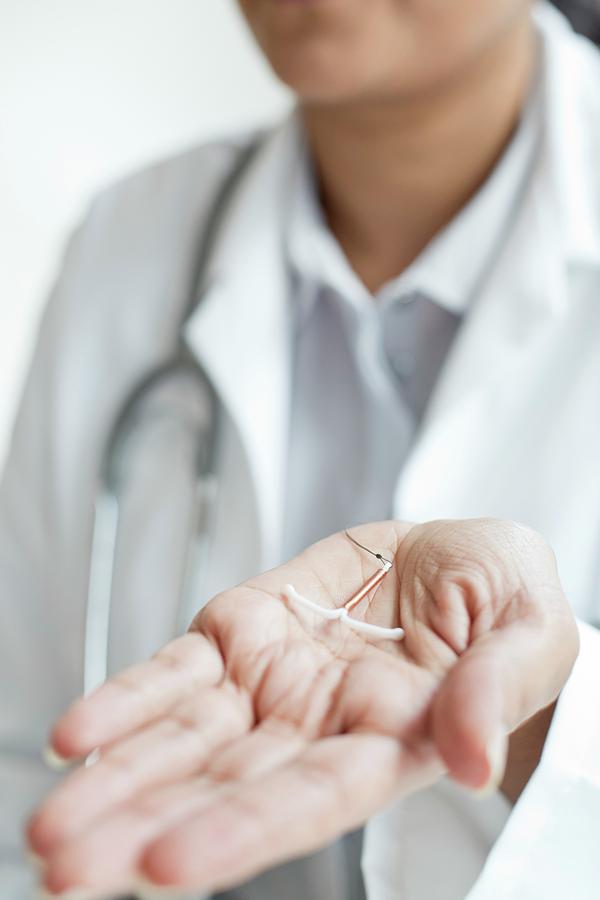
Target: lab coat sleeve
(550, 844)
(447, 843)
(38, 662)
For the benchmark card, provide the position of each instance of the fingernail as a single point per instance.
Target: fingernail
(54, 760)
(496, 753)
(92, 758)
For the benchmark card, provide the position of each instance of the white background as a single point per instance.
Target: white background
(90, 89)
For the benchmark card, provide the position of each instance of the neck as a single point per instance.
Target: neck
(392, 173)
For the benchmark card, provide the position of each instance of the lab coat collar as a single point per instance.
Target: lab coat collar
(482, 379)
(571, 101)
(525, 297)
(240, 329)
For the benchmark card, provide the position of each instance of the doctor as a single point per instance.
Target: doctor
(410, 267)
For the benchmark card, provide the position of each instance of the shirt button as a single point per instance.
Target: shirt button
(406, 299)
(402, 366)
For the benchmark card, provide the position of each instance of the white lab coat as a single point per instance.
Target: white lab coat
(513, 430)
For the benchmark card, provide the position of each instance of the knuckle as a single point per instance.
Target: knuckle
(170, 661)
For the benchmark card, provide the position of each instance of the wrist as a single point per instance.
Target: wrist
(525, 749)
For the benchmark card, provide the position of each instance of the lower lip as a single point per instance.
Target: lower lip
(299, 4)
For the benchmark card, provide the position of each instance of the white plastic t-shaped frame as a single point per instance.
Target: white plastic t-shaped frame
(342, 613)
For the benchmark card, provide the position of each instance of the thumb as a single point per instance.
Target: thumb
(504, 677)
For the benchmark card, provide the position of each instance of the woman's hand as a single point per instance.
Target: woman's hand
(266, 731)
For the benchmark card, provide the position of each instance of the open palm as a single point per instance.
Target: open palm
(266, 731)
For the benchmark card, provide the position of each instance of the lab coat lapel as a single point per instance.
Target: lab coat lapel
(240, 329)
(480, 384)
(480, 399)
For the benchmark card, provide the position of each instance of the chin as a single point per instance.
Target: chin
(318, 86)
(322, 75)
(321, 49)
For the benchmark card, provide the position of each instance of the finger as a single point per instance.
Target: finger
(172, 749)
(331, 788)
(503, 678)
(105, 857)
(137, 696)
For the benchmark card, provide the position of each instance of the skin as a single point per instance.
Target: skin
(408, 105)
(266, 732)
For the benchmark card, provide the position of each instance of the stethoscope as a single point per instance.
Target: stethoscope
(203, 427)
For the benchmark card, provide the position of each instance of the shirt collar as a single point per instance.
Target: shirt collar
(447, 271)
